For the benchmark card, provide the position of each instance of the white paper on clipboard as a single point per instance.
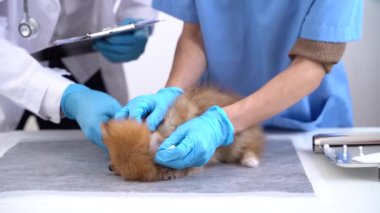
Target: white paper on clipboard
(83, 44)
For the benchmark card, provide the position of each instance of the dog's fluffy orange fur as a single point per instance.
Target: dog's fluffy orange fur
(132, 146)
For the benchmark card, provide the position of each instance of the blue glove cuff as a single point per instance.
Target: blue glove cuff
(226, 126)
(72, 88)
(175, 90)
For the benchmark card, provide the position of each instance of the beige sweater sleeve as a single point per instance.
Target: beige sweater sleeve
(327, 53)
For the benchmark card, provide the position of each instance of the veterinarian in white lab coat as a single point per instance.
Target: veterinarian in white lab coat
(27, 84)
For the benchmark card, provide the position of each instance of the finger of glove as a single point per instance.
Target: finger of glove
(104, 46)
(173, 140)
(127, 21)
(141, 110)
(122, 57)
(123, 113)
(119, 57)
(142, 33)
(155, 118)
(128, 39)
(178, 158)
(92, 130)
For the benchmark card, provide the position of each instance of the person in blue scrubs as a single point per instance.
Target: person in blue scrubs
(282, 56)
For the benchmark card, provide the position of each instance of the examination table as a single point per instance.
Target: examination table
(59, 171)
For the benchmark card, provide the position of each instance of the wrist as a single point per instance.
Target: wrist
(234, 115)
(66, 97)
(226, 127)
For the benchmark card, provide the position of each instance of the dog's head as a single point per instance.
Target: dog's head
(132, 148)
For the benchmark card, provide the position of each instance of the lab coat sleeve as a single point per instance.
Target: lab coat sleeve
(333, 21)
(28, 84)
(184, 9)
(137, 9)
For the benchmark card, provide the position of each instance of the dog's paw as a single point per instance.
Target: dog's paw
(250, 160)
(168, 174)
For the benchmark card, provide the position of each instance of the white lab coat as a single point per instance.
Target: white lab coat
(25, 83)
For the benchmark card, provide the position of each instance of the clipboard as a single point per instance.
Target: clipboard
(83, 44)
(337, 140)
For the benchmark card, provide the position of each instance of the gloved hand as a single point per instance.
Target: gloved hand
(194, 142)
(125, 46)
(89, 108)
(154, 106)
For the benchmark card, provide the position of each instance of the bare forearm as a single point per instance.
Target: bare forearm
(301, 78)
(189, 60)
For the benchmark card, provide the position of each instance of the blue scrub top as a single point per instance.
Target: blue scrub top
(247, 43)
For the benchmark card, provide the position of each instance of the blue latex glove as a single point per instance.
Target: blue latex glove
(154, 106)
(196, 140)
(125, 46)
(90, 108)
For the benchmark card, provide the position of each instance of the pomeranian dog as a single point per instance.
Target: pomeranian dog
(132, 146)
